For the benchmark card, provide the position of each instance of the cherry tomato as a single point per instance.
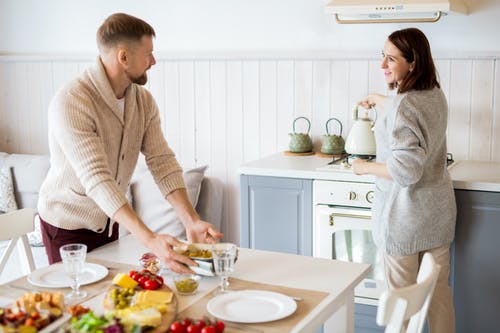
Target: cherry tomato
(193, 329)
(219, 326)
(186, 322)
(208, 329)
(177, 327)
(159, 277)
(134, 275)
(151, 284)
(141, 280)
(201, 323)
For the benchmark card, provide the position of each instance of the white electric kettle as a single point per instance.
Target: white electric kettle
(361, 140)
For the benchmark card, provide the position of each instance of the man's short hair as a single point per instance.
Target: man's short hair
(119, 28)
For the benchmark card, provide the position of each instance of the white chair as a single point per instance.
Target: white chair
(14, 226)
(396, 306)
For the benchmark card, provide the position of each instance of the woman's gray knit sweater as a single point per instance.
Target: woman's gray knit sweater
(416, 210)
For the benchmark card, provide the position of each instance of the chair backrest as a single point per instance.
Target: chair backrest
(396, 306)
(14, 226)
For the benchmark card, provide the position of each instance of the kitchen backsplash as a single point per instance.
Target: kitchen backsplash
(224, 112)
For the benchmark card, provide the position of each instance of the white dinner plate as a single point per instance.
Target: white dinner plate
(53, 276)
(251, 306)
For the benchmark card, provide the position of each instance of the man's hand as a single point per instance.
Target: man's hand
(163, 246)
(202, 232)
(160, 244)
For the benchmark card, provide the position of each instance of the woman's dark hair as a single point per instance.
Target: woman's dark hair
(415, 48)
(121, 27)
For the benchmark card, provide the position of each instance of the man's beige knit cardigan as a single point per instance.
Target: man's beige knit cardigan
(93, 152)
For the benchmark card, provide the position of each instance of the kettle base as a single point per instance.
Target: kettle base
(291, 153)
(352, 157)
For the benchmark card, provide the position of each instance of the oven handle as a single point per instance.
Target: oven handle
(356, 216)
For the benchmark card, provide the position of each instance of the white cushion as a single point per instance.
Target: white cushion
(154, 209)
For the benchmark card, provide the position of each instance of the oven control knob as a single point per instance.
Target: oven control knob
(369, 196)
(352, 195)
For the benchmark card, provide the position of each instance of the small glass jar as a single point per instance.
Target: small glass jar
(186, 284)
(150, 262)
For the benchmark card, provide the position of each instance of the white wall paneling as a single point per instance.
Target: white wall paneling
(482, 109)
(459, 100)
(225, 112)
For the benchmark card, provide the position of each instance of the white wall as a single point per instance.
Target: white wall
(68, 27)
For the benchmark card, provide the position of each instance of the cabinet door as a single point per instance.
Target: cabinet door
(365, 319)
(276, 214)
(476, 262)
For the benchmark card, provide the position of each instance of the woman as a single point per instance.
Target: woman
(414, 209)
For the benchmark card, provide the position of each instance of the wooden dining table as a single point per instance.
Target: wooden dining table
(323, 288)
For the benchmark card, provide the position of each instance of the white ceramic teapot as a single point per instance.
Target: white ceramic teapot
(361, 140)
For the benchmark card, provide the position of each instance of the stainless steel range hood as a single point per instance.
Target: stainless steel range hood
(392, 11)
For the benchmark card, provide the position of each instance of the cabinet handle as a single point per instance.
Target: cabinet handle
(354, 216)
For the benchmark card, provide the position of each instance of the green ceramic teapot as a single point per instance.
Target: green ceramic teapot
(300, 142)
(333, 144)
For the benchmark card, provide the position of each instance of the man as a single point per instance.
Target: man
(98, 124)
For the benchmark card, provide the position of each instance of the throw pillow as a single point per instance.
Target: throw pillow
(154, 209)
(7, 198)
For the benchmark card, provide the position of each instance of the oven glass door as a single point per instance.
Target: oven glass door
(357, 246)
(344, 233)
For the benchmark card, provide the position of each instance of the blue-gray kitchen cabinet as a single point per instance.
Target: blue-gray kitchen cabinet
(276, 214)
(476, 269)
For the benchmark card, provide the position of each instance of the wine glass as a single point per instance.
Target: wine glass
(73, 257)
(223, 255)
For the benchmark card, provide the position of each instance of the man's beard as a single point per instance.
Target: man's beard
(141, 80)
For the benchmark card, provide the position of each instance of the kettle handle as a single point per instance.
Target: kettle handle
(355, 112)
(338, 121)
(308, 124)
(375, 112)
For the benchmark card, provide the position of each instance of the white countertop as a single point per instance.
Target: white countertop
(304, 167)
(466, 175)
(476, 175)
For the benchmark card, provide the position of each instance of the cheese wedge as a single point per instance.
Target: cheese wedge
(154, 297)
(146, 317)
(124, 281)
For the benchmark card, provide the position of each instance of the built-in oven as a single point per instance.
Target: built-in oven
(342, 230)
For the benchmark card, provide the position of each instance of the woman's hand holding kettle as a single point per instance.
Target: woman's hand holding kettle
(359, 166)
(362, 167)
(372, 100)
